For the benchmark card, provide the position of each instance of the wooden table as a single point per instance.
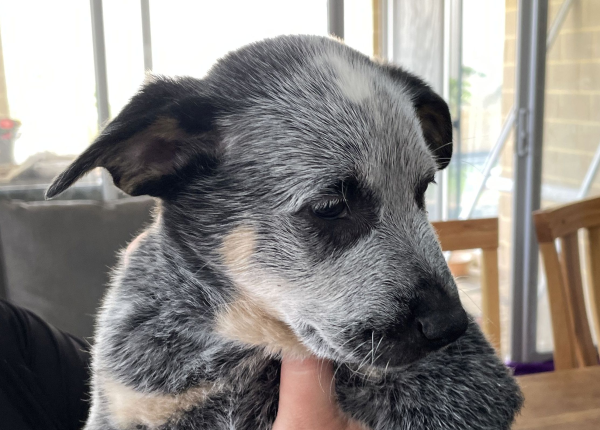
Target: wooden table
(568, 399)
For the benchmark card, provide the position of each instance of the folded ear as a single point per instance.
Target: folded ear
(165, 132)
(433, 113)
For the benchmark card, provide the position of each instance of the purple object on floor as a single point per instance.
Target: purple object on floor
(528, 368)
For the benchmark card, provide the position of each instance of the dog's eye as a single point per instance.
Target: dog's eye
(421, 190)
(330, 209)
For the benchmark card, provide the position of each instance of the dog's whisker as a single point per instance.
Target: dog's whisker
(379, 343)
(351, 339)
(442, 147)
(470, 298)
(359, 346)
(372, 346)
(363, 361)
(331, 385)
(380, 355)
(321, 364)
(356, 372)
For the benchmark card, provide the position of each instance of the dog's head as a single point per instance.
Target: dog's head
(296, 169)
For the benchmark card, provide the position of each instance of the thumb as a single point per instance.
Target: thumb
(306, 396)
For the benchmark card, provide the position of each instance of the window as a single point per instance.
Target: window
(49, 74)
(49, 79)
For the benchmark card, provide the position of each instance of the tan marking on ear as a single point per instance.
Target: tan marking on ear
(129, 407)
(149, 148)
(245, 321)
(167, 128)
(249, 319)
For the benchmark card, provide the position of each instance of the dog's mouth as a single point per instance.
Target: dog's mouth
(370, 348)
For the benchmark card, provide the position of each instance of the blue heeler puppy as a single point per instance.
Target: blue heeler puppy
(291, 220)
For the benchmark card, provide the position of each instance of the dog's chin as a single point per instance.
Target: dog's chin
(387, 356)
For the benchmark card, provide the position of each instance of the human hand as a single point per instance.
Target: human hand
(307, 398)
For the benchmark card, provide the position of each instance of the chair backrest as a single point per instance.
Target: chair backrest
(573, 345)
(478, 234)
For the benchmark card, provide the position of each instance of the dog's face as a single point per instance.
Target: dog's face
(297, 170)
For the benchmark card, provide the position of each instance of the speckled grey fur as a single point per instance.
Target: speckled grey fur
(268, 134)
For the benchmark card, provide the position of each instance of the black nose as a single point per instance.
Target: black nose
(442, 322)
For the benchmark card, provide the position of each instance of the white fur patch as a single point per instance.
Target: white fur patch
(354, 83)
(130, 407)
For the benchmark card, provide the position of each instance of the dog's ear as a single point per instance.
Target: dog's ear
(165, 132)
(433, 113)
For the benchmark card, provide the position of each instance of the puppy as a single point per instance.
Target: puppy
(291, 220)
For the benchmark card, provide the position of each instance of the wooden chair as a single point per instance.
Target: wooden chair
(478, 234)
(573, 345)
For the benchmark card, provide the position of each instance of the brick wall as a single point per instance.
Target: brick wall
(571, 125)
(572, 109)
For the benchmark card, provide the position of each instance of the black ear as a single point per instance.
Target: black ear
(165, 132)
(433, 113)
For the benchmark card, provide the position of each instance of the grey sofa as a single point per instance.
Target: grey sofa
(56, 256)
